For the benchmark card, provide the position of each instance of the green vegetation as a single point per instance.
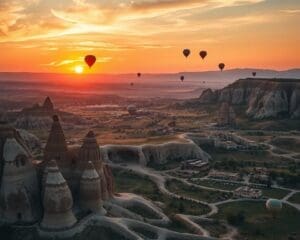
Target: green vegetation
(284, 124)
(274, 193)
(267, 192)
(126, 181)
(295, 198)
(286, 143)
(286, 172)
(166, 166)
(287, 177)
(217, 184)
(178, 227)
(254, 222)
(174, 205)
(196, 193)
(145, 212)
(215, 227)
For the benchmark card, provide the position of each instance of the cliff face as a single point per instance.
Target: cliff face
(264, 98)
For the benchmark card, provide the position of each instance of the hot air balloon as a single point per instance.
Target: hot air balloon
(182, 78)
(132, 109)
(139, 74)
(203, 54)
(221, 66)
(90, 60)
(131, 84)
(186, 52)
(254, 74)
(274, 206)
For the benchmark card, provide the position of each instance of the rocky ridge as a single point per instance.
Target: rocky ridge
(264, 98)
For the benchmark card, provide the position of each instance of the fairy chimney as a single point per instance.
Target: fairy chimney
(90, 190)
(90, 151)
(56, 147)
(19, 194)
(58, 201)
(48, 105)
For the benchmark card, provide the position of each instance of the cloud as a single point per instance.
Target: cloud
(291, 11)
(73, 61)
(43, 20)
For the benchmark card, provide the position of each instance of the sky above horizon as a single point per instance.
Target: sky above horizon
(148, 35)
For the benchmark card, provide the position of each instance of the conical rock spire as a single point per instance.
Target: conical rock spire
(58, 201)
(90, 190)
(56, 147)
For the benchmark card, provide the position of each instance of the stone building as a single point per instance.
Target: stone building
(47, 191)
(226, 115)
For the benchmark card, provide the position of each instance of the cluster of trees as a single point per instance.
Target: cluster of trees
(234, 165)
(286, 178)
(236, 219)
(178, 205)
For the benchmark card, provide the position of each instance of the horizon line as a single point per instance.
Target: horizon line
(150, 73)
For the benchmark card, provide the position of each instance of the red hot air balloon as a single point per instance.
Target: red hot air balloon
(203, 54)
(90, 60)
(186, 52)
(139, 74)
(182, 78)
(221, 66)
(254, 74)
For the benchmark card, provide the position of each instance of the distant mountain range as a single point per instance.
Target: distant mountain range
(226, 77)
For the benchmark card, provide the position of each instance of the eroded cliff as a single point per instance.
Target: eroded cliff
(264, 98)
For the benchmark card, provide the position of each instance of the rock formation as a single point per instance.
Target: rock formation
(90, 190)
(47, 109)
(56, 147)
(48, 105)
(58, 201)
(32, 141)
(90, 151)
(153, 153)
(264, 98)
(72, 162)
(20, 202)
(226, 116)
(208, 96)
(33, 122)
(21, 198)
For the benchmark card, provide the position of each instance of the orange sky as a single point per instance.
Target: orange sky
(148, 35)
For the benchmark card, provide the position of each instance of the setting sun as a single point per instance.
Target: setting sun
(78, 69)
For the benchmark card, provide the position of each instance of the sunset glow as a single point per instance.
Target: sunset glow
(148, 35)
(78, 69)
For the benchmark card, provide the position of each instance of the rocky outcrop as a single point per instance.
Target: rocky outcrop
(58, 201)
(19, 194)
(48, 105)
(46, 109)
(264, 98)
(33, 122)
(150, 153)
(208, 96)
(226, 115)
(56, 147)
(90, 190)
(90, 151)
(32, 141)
